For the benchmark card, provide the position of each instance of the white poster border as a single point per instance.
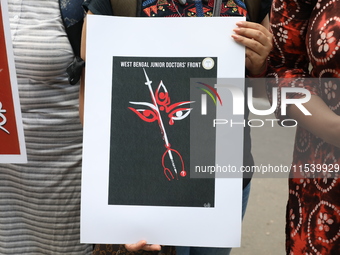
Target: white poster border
(103, 223)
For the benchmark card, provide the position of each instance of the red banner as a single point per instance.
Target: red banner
(10, 144)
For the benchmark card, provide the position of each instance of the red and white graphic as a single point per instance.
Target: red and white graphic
(161, 102)
(12, 149)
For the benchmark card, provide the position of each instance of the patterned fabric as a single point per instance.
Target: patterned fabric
(70, 10)
(40, 200)
(307, 32)
(166, 8)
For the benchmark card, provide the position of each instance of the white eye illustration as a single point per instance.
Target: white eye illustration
(179, 113)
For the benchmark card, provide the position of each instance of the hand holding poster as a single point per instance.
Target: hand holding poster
(12, 144)
(145, 134)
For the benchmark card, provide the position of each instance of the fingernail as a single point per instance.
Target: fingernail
(240, 23)
(237, 29)
(235, 36)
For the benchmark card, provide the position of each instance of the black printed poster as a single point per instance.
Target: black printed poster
(150, 132)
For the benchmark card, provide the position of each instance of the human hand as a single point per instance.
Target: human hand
(142, 245)
(258, 42)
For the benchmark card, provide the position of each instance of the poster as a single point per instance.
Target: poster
(154, 133)
(146, 132)
(12, 144)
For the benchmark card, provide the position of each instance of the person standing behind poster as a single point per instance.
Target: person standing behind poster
(40, 200)
(255, 37)
(306, 54)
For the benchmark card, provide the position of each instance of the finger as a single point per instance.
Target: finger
(254, 31)
(253, 25)
(135, 246)
(252, 44)
(142, 245)
(254, 40)
(152, 247)
(253, 36)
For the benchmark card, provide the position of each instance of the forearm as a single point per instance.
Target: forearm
(82, 80)
(323, 122)
(258, 83)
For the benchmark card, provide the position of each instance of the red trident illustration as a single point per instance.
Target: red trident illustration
(161, 102)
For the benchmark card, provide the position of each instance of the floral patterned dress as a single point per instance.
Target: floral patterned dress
(306, 45)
